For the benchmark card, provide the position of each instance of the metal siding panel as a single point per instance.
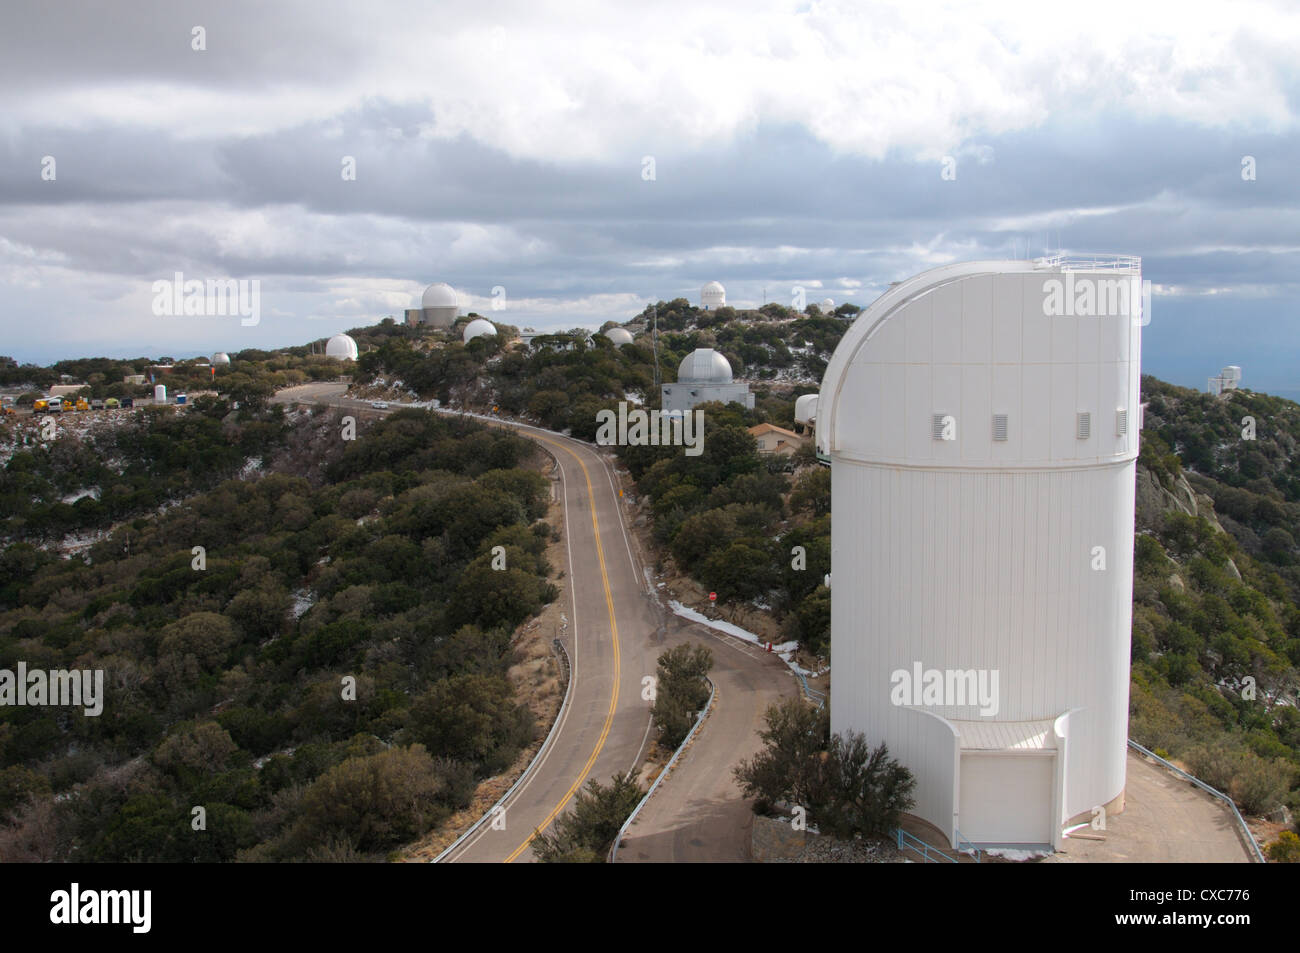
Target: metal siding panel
(890, 424)
(1065, 405)
(1063, 331)
(1035, 411)
(919, 446)
(977, 320)
(1036, 333)
(976, 438)
(946, 321)
(1087, 346)
(918, 329)
(1007, 306)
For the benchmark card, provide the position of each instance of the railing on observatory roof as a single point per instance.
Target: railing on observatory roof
(1098, 262)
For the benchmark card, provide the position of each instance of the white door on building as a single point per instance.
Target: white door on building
(1006, 798)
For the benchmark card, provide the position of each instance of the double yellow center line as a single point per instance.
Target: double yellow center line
(613, 625)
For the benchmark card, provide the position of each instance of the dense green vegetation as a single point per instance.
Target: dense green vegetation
(844, 785)
(730, 518)
(739, 524)
(681, 691)
(155, 456)
(585, 834)
(327, 678)
(1216, 625)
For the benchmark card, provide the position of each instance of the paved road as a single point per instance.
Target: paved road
(698, 814)
(614, 638)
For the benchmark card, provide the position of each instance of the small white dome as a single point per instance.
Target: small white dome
(221, 357)
(619, 336)
(828, 304)
(479, 327)
(805, 409)
(341, 347)
(713, 295)
(706, 366)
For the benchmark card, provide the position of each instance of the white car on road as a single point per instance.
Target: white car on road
(379, 404)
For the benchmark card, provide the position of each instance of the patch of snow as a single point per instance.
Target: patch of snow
(785, 650)
(253, 466)
(92, 492)
(259, 763)
(1012, 853)
(302, 601)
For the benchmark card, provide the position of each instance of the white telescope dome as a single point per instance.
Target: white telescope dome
(479, 327)
(341, 347)
(705, 365)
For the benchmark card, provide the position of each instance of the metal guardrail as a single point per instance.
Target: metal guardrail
(1091, 262)
(965, 846)
(811, 694)
(1241, 821)
(618, 839)
(912, 842)
(563, 654)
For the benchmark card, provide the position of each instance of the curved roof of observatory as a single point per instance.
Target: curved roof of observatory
(704, 365)
(975, 340)
(440, 295)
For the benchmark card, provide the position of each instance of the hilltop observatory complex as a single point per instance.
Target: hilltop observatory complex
(981, 425)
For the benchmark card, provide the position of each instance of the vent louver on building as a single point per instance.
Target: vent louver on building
(999, 426)
(1083, 425)
(1121, 422)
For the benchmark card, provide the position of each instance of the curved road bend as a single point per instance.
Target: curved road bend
(612, 640)
(698, 815)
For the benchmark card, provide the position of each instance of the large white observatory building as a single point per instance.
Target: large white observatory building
(619, 336)
(1228, 379)
(704, 375)
(981, 423)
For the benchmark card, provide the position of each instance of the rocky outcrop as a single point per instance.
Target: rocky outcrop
(1154, 500)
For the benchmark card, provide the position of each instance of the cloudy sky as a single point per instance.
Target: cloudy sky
(590, 161)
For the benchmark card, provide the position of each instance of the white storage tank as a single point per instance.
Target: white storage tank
(160, 394)
(981, 425)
